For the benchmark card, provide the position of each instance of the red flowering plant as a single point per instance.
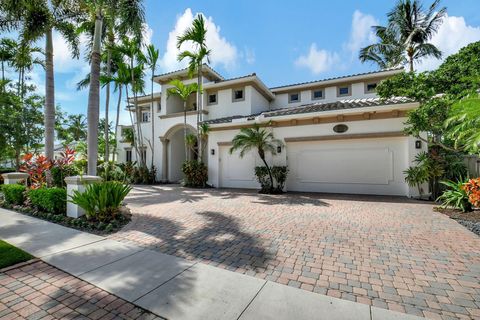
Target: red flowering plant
(66, 158)
(63, 167)
(36, 167)
(472, 188)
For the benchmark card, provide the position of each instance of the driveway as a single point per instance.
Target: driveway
(389, 252)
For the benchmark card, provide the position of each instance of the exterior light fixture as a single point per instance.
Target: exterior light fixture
(212, 152)
(279, 149)
(418, 144)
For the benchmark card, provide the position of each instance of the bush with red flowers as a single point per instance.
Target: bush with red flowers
(472, 188)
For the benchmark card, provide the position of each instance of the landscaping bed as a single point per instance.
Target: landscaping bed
(10, 255)
(470, 220)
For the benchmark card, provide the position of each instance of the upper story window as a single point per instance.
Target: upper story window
(238, 95)
(212, 98)
(370, 87)
(128, 155)
(344, 91)
(318, 94)
(145, 116)
(294, 97)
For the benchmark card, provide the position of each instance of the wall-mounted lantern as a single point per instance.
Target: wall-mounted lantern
(279, 149)
(418, 144)
(212, 152)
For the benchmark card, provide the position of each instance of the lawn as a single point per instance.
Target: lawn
(10, 255)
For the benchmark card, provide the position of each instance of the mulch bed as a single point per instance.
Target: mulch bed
(470, 220)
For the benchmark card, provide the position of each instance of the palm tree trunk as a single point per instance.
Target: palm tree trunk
(152, 115)
(185, 128)
(262, 156)
(94, 98)
(49, 97)
(107, 106)
(135, 138)
(117, 120)
(199, 110)
(138, 115)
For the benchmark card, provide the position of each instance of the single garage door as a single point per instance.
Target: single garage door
(237, 172)
(358, 166)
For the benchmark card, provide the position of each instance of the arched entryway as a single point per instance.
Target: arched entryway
(173, 144)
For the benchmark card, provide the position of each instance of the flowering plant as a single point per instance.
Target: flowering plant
(36, 168)
(472, 188)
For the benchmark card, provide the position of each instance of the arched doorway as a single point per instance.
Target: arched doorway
(173, 144)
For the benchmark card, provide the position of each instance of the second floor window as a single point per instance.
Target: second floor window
(145, 116)
(128, 155)
(238, 95)
(159, 106)
(343, 91)
(370, 87)
(294, 97)
(317, 94)
(212, 98)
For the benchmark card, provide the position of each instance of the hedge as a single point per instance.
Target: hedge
(50, 200)
(14, 193)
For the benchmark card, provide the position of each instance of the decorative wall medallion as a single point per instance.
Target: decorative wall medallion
(340, 128)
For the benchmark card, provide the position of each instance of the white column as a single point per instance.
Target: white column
(164, 159)
(77, 183)
(15, 177)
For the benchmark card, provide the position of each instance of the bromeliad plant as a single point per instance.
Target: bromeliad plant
(101, 201)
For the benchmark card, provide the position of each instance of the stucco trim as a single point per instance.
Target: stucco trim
(180, 114)
(224, 143)
(322, 120)
(341, 136)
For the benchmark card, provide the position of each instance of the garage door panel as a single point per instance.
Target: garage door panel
(237, 172)
(367, 165)
(364, 166)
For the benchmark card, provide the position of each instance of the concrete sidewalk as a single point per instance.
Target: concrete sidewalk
(171, 287)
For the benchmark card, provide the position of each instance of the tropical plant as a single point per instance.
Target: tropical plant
(36, 167)
(151, 59)
(71, 129)
(7, 52)
(14, 194)
(455, 196)
(463, 124)
(63, 167)
(196, 35)
(101, 201)
(131, 19)
(472, 188)
(50, 200)
(195, 174)
(279, 174)
(409, 29)
(427, 169)
(259, 139)
(182, 91)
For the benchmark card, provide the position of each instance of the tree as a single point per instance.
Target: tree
(409, 29)
(7, 52)
(182, 91)
(259, 139)
(196, 35)
(131, 18)
(72, 129)
(35, 19)
(463, 124)
(151, 59)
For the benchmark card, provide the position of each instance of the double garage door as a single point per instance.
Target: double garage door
(357, 166)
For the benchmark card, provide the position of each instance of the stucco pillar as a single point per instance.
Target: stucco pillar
(77, 183)
(15, 177)
(164, 159)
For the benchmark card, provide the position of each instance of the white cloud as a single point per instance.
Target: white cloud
(223, 52)
(361, 33)
(249, 55)
(318, 61)
(453, 34)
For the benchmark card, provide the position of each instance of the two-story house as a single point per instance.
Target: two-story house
(337, 135)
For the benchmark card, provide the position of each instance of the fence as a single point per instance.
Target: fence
(473, 165)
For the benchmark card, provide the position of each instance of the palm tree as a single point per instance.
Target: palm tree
(24, 61)
(36, 19)
(410, 28)
(257, 138)
(131, 18)
(7, 52)
(182, 91)
(151, 59)
(197, 36)
(387, 53)
(463, 124)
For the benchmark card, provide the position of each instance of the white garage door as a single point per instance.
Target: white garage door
(236, 172)
(359, 166)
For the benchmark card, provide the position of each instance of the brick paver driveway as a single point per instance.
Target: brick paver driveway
(389, 252)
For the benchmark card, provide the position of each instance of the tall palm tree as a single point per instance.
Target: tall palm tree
(259, 139)
(7, 52)
(151, 59)
(131, 18)
(35, 19)
(24, 60)
(410, 28)
(196, 35)
(182, 91)
(387, 53)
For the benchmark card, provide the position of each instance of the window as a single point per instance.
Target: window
(294, 97)
(344, 91)
(238, 95)
(317, 94)
(145, 116)
(370, 87)
(159, 106)
(128, 155)
(212, 98)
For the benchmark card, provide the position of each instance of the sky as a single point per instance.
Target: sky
(283, 42)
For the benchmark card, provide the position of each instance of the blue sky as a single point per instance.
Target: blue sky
(281, 41)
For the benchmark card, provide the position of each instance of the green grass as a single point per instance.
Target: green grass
(10, 255)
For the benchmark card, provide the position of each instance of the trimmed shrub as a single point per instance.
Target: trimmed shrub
(50, 200)
(264, 179)
(60, 173)
(14, 193)
(101, 201)
(196, 174)
(279, 174)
